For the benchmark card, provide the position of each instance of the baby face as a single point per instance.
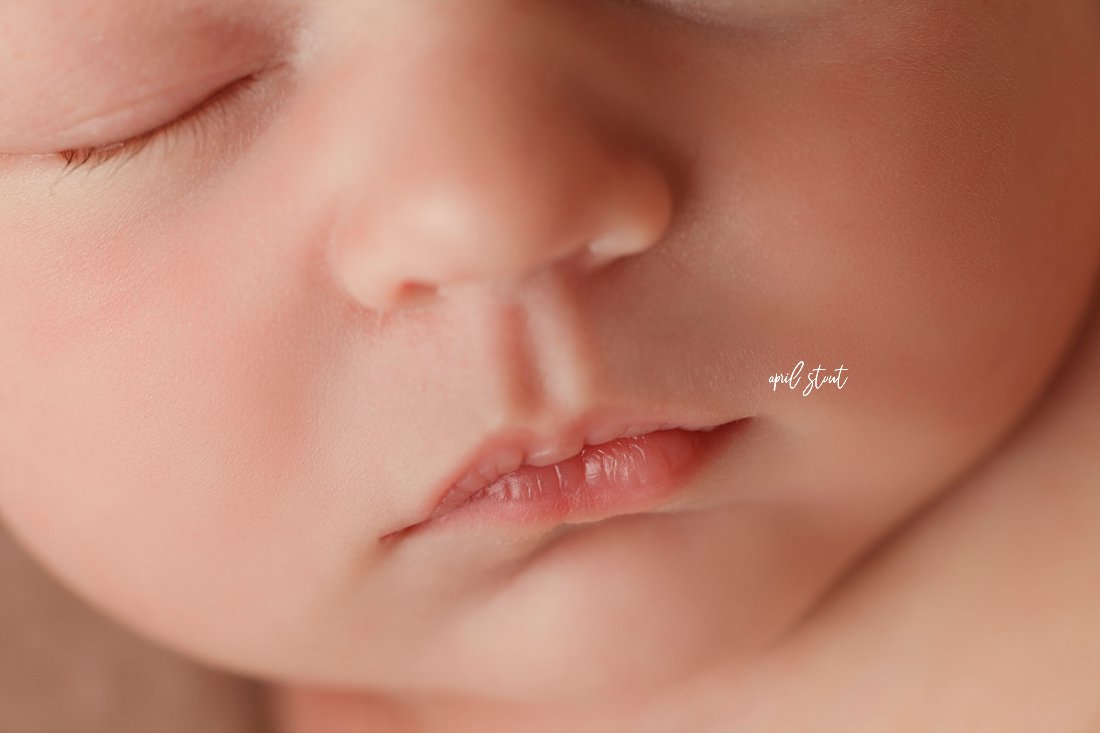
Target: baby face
(347, 243)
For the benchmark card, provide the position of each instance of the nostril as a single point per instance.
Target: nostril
(411, 294)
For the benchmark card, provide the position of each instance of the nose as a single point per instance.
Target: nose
(477, 149)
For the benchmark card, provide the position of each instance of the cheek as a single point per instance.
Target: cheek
(154, 408)
(896, 189)
(194, 420)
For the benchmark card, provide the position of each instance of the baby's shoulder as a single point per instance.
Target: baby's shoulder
(982, 605)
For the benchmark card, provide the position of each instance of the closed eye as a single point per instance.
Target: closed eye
(194, 120)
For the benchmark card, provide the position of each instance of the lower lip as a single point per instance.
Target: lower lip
(623, 476)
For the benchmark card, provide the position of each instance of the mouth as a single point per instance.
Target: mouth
(581, 475)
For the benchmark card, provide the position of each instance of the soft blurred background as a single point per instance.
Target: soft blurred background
(64, 668)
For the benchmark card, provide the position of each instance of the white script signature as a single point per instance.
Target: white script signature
(815, 378)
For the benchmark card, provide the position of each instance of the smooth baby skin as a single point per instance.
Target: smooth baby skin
(214, 398)
(976, 614)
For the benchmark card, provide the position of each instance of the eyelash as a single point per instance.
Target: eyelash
(219, 101)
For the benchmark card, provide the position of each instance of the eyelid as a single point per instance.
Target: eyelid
(213, 103)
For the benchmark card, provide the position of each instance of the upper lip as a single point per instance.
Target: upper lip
(506, 450)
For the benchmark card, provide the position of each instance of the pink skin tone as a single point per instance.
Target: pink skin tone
(236, 360)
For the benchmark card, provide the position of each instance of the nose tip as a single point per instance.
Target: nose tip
(424, 240)
(474, 157)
